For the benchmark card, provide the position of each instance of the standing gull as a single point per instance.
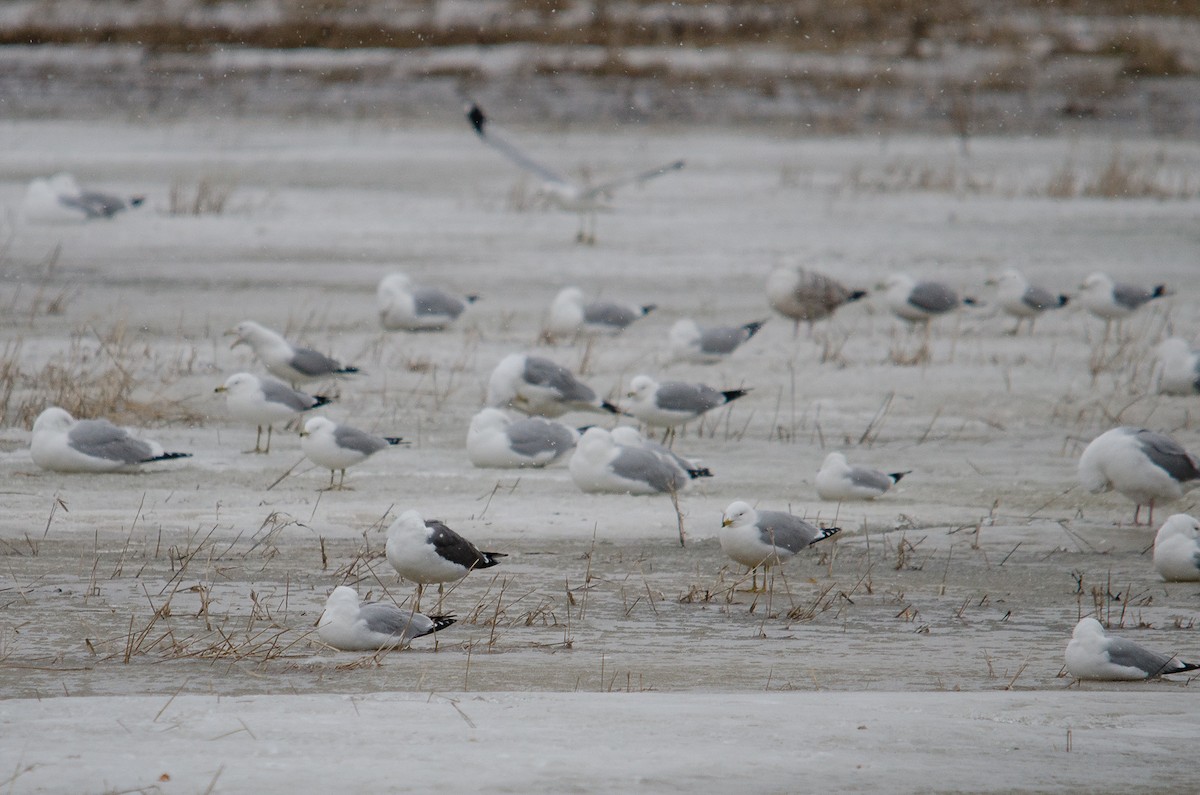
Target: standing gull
(1023, 300)
(405, 307)
(600, 465)
(265, 401)
(1094, 654)
(284, 360)
(673, 403)
(1111, 301)
(691, 343)
(837, 480)
(428, 552)
(803, 295)
(1176, 368)
(571, 196)
(919, 302)
(766, 538)
(498, 441)
(61, 443)
(336, 446)
(1177, 549)
(1145, 466)
(60, 198)
(533, 385)
(348, 625)
(570, 314)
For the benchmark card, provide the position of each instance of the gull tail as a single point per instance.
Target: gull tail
(610, 408)
(136, 201)
(857, 294)
(347, 371)
(489, 559)
(1063, 300)
(828, 532)
(394, 440)
(1159, 291)
(752, 328)
(439, 623)
(648, 308)
(733, 394)
(895, 476)
(319, 400)
(470, 299)
(702, 472)
(969, 301)
(166, 457)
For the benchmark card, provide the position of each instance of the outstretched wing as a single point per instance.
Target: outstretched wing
(483, 128)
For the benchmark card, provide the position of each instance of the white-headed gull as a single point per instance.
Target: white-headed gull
(571, 314)
(427, 551)
(600, 465)
(404, 306)
(495, 440)
(337, 446)
(920, 301)
(690, 342)
(766, 538)
(1024, 301)
(349, 625)
(673, 403)
(1177, 549)
(838, 480)
(1094, 654)
(1176, 368)
(1145, 466)
(59, 198)
(284, 360)
(62, 443)
(534, 385)
(265, 401)
(1110, 300)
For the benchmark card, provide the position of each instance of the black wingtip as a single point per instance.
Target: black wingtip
(678, 164)
(648, 308)
(584, 429)
(895, 476)
(348, 371)
(734, 394)
(969, 301)
(1159, 291)
(828, 532)
(472, 298)
(1063, 300)
(752, 328)
(609, 407)
(136, 201)
(703, 472)
(440, 623)
(167, 457)
(394, 440)
(1186, 667)
(856, 295)
(489, 559)
(476, 117)
(321, 400)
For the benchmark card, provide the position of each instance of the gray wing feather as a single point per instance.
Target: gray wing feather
(722, 340)
(313, 363)
(933, 297)
(544, 372)
(358, 441)
(694, 398)
(534, 436)
(1131, 297)
(1129, 654)
(786, 531)
(102, 439)
(1166, 454)
(279, 392)
(610, 314)
(1038, 298)
(391, 620)
(521, 159)
(642, 465)
(432, 301)
(870, 478)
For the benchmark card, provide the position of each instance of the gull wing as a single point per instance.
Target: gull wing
(483, 129)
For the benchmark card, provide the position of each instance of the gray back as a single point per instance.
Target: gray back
(533, 436)
(933, 297)
(787, 531)
(1166, 454)
(1129, 654)
(634, 463)
(1131, 297)
(432, 301)
(1038, 298)
(680, 396)
(544, 372)
(610, 314)
(279, 392)
(358, 441)
(724, 339)
(102, 439)
(313, 363)
(391, 620)
(870, 478)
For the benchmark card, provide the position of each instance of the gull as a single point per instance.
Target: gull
(405, 307)
(337, 446)
(1177, 368)
(918, 302)
(348, 625)
(1111, 301)
(570, 314)
(837, 480)
(1094, 654)
(571, 196)
(804, 295)
(62, 443)
(628, 436)
(284, 360)
(600, 465)
(427, 551)
(1145, 466)
(265, 401)
(1177, 549)
(534, 385)
(61, 198)
(498, 441)
(766, 538)
(1023, 300)
(691, 343)
(673, 403)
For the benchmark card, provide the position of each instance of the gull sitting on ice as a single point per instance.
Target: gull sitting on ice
(766, 538)
(600, 465)
(673, 403)
(534, 385)
(405, 307)
(1094, 654)
(804, 295)
(571, 315)
(60, 198)
(284, 360)
(837, 480)
(1176, 368)
(62, 443)
(495, 440)
(571, 196)
(348, 625)
(337, 446)
(1177, 549)
(691, 343)
(265, 401)
(1145, 466)
(628, 436)
(1024, 301)
(919, 302)
(427, 551)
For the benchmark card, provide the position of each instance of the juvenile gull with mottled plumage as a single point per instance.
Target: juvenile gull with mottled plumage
(804, 295)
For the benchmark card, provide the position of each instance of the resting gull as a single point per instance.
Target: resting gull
(600, 465)
(496, 440)
(534, 385)
(405, 307)
(570, 314)
(919, 302)
(766, 538)
(691, 343)
(1145, 466)
(628, 436)
(804, 295)
(427, 551)
(284, 360)
(337, 446)
(838, 480)
(1176, 368)
(1094, 654)
(1177, 549)
(1024, 301)
(264, 401)
(60, 198)
(61, 443)
(350, 626)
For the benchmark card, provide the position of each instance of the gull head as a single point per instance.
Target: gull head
(738, 514)
(53, 419)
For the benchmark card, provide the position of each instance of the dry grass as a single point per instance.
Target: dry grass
(206, 198)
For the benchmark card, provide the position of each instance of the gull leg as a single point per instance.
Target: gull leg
(342, 480)
(417, 607)
(1150, 521)
(1137, 509)
(269, 429)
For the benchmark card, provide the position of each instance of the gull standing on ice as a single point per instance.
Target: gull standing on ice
(571, 196)
(265, 401)
(533, 385)
(1145, 466)
(405, 307)
(1177, 549)
(427, 551)
(60, 198)
(628, 436)
(61, 443)
(284, 360)
(336, 446)
(348, 625)
(673, 403)
(919, 302)
(691, 343)
(766, 538)
(496, 440)
(1177, 368)
(600, 465)
(1023, 300)
(570, 314)
(803, 295)
(837, 480)
(1111, 301)
(1094, 654)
